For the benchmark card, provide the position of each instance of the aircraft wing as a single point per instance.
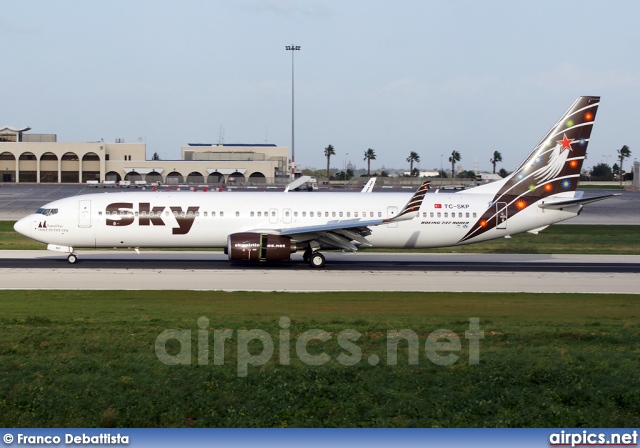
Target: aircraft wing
(343, 233)
(333, 225)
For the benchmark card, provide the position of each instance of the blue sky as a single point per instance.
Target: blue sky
(424, 76)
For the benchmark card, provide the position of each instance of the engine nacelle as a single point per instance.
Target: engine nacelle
(259, 246)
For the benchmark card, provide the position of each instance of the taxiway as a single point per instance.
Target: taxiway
(115, 270)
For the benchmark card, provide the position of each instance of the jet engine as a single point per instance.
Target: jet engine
(259, 246)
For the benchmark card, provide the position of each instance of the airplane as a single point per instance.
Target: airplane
(270, 226)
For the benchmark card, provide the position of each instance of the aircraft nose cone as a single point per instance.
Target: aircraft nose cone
(23, 226)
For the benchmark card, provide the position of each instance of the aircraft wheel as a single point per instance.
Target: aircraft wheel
(306, 255)
(316, 260)
(72, 258)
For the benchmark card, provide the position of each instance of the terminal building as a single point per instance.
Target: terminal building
(40, 158)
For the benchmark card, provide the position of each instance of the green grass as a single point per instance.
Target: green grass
(565, 239)
(86, 358)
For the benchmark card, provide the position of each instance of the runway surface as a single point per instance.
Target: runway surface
(343, 272)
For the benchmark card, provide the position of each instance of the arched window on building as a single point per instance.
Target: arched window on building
(70, 165)
(49, 168)
(175, 178)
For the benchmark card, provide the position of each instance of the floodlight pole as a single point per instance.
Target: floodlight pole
(293, 49)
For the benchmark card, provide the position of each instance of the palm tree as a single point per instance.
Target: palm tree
(497, 157)
(623, 153)
(413, 157)
(328, 152)
(455, 157)
(369, 155)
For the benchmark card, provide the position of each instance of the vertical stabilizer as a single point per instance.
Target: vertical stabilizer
(552, 167)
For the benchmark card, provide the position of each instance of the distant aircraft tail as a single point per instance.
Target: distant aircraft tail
(552, 167)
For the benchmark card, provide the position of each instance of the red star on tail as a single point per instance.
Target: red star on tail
(565, 143)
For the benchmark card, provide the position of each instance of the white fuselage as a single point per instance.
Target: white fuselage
(205, 219)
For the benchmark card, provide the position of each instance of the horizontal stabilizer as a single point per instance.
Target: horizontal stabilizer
(556, 205)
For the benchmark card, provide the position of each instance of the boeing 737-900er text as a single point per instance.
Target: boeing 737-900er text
(270, 226)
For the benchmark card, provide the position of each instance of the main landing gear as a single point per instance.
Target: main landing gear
(72, 258)
(315, 259)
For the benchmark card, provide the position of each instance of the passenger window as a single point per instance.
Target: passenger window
(311, 214)
(259, 214)
(333, 214)
(99, 213)
(136, 213)
(166, 213)
(474, 214)
(467, 214)
(251, 214)
(295, 214)
(379, 214)
(237, 214)
(340, 214)
(273, 213)
(189, 214)
(431, 214)
(348, 214)
(439, 215)
(213, 214)
(446, 214)
(326, 214)
(304, 214)
(221, 214)
(205, 214)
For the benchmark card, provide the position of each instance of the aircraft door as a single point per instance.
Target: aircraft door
(84, 213)
(501, 215)
(391, 212)
(286, 215)
(273, 216)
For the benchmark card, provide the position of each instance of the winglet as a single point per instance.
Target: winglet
(411, 209)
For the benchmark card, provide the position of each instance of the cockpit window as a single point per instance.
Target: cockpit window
(47, 211)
